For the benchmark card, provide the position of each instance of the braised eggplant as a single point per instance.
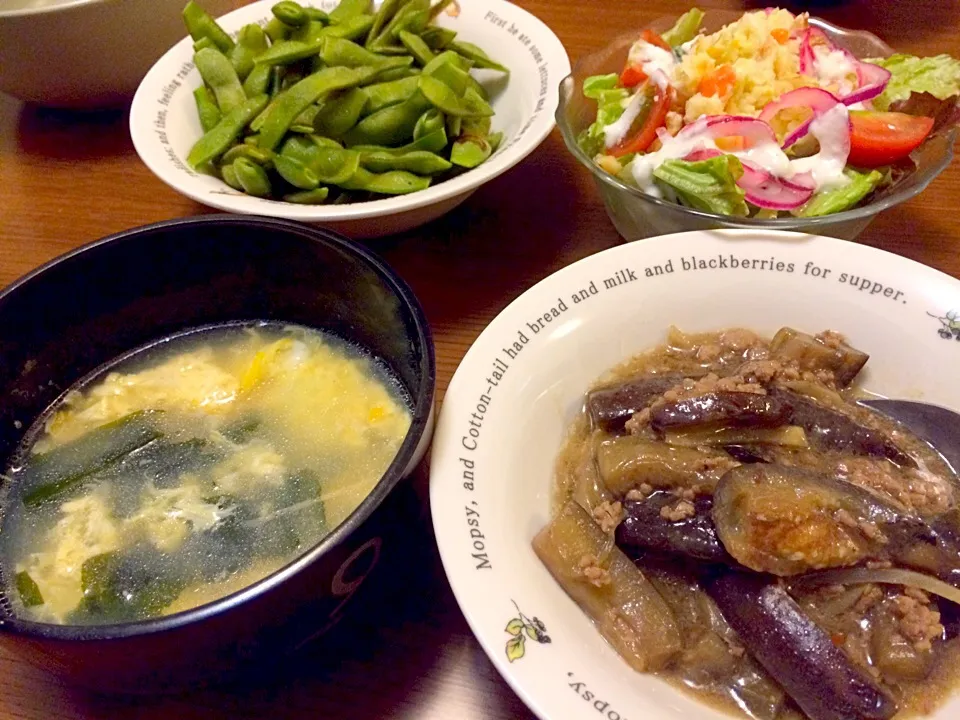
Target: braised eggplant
(664, 523)
(731, 467)
(726, 409)
(796, 652)
(610, 407)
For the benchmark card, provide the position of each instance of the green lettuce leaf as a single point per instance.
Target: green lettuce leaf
(611, 102)
(939, 76)
(708, 185)
(685, 29)
(837, 200)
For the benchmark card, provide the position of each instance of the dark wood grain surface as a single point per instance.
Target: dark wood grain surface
(406, 651)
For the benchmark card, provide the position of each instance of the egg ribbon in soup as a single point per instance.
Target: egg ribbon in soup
(194, 468)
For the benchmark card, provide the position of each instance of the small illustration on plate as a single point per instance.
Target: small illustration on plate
(949, 324)
(520, 628)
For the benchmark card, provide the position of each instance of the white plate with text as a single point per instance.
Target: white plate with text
(522, 383)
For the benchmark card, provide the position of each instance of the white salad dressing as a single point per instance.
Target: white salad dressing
(833, 68)
(651, 58)
(826, 167)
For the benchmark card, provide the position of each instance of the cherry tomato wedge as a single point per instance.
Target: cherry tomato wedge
(654, 118)
(881, 138)
(633, 75)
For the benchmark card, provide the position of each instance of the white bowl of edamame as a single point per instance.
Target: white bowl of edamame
(368, 116)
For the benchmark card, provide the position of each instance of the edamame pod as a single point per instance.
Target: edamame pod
(204, 42)
(258, 81)
(218, 140)
(350, 29)
(339, 51)
(293, 101)
(206, 108)
(338, 114)
(201, 25)
(453, 77)
(347, 9)
(229, 176)
(418, 48)
(384, 94)
(470, 151)
(252, 153)
(251, 42)
(430, 122)
(316, 196)
(286, 52)
(276, 30)
(221, 78)
(395, 182)
(295, 172)
(419, 162)
(438, 38)
(476, 55)
(454, 125)
(304, 122)
(398, 73)
(290, 13)
(335, 166)
(251, 177)
(384, 14)
(391, 125)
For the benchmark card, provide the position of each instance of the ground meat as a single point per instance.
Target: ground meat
(870, 596)
(919, 622)
(739, 339)
(680, 511)
(831, 338)
(638, 422)
(911, 489)
(608, 515)
(765, 372)
(708, 352)
(593, 572)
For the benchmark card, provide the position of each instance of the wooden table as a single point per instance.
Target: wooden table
(67, 179)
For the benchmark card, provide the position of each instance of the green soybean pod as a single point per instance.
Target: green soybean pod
(475, 54)
(202, 25)
(324, 142)
(206, 108)
(276, 30)
(456, 79)
(251, 42)
(395, 182)
(286, 52)
(434, 142)
(475, 105)
(447, 56)
(402, 17)
(495, 139)
(419, 162)
(335, 166)
(347, 9)
(384, 94)
(384, 14)
(391, 125)
(431, 121)
(251, 177)
(340, 51)
(338, 114)
(252, 153)
(221, 78)
(229, 176)
(435, 10)
(470, 151)
(441, 95)
(303, 123)
(204, 42)
(217, 141)
(454, 125)
(438, 38)
(310, 33)
(295, 172)
(418, 48)
(290, 13)
(317, 196)
(258, 81)
(317, 15)
(396, 73)
(293, 101)
(353, 28)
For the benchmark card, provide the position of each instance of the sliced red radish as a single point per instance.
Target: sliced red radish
(817, 99)
(765, 190)
(754, 131)
(873, 81)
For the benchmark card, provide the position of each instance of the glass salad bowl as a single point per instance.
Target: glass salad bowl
(638, 215)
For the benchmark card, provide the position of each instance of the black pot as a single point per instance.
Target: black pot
(85, 308)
